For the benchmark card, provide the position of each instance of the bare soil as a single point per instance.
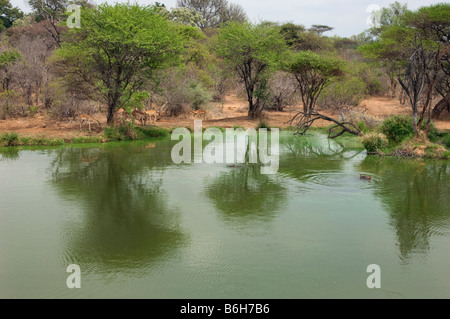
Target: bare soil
(233, 112)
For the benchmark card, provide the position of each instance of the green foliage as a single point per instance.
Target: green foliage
(117, 50)
(433, 133)
(130, 132)
(198, 95)
(373, 142)
(342, 93)
(313, 73)
(292, 33)
(239, 43)
(9, 57)
(397, 128)
(305, 62)
(361, 125)
(111, 133)
(262, 124)
(135, 101)
(254, 51)
(431, 21)
(371, 76)
(446, 140)
(9, 14)
(9, 139)
(87, 140)
(151, 132)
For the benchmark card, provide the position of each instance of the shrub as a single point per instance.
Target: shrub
(111, 133)
(446, 140)
(362, 120)
(128, 132)
(374, 141)
(342, 94)
(151, 132)
(397, 128)
(10, 139)
(46, 142)
(87, 140)
(263, 124)
(198, 95)
(433, 133)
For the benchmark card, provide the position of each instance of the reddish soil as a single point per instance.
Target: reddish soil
(233, 112)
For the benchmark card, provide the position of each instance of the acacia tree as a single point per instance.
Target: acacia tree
(312, 73)
(397, 47)
(320, 29)
(117, 50)
(253, 51)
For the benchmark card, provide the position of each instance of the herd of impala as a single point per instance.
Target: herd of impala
(143, 116)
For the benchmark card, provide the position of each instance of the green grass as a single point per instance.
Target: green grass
(110, 134)
(9, 139)
(87, 140)
(263, 124)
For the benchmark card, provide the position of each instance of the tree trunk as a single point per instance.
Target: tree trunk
(441, 106)
(111, 109)
(416, 130)
(254, 110)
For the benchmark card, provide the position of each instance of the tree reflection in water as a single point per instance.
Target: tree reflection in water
(417, 196)
(127, 223)
(246, 198)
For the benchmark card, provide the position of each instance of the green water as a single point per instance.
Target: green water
(140, 226)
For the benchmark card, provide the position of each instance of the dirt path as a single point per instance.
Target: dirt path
(232, 113)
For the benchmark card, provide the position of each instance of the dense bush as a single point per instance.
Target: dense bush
(9, 139)
(282, 91)
(374, 141)
(397, 128)
(446, 140)
(131, 132)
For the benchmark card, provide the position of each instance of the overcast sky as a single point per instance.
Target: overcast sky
(348, 17)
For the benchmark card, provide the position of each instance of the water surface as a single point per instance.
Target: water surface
(140, 226)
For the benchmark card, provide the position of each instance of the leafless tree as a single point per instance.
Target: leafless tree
(214, 12)
(283, 91)
(413, 79)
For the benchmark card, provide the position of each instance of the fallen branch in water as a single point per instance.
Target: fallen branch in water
(303, 122)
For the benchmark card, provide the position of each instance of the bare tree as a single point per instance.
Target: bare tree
(413, 79)
(214, 12)
(282, 90)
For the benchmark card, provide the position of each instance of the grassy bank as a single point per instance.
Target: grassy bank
(395, 137)
(110, 134)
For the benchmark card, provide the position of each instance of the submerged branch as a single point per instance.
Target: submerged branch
(303, 122)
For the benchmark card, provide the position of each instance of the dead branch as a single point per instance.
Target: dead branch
(303, 122)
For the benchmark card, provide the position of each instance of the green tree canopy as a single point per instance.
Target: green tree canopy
(312, 73)
(253, 51)
(117, 49)
(8, 14)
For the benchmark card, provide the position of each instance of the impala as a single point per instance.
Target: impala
(202, 113)
(88, 119)
(152, 114)
(121, 113)
(140, 116)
